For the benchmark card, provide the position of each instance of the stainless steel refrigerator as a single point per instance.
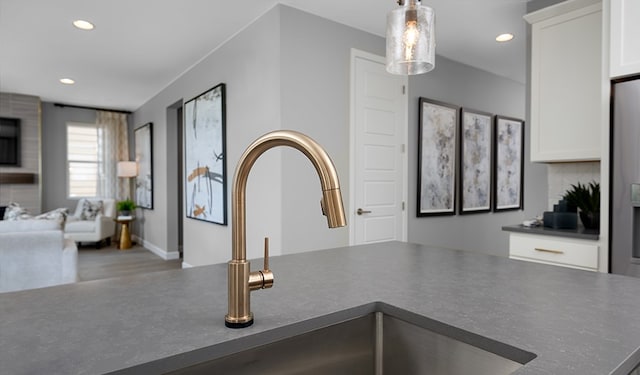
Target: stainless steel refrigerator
(624, 205)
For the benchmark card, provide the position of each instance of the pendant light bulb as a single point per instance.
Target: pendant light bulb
(410, 39)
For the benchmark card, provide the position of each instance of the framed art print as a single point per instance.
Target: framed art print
(144, 158)
(476, 139)
(437, 152)
(205, 155)
(509, 163)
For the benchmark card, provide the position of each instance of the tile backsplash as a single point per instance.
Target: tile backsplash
(562, 175)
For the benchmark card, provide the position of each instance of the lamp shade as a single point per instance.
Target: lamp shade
(127, 169)
(411, 47)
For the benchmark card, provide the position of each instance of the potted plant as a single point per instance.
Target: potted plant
(587, 199)
(125, 207)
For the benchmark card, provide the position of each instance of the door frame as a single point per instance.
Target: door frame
(359, 54)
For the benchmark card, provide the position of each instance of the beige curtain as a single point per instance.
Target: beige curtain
(113, 135)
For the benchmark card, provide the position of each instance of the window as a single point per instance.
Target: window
(83, 161)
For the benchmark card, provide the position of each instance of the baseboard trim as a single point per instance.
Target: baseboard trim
(166, 255)
(186, 265)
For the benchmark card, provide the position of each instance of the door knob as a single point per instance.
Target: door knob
(360, 211)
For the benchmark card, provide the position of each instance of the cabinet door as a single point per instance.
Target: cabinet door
(566, 71)
(625, 38)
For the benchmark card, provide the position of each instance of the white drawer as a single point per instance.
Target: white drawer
(572, 253)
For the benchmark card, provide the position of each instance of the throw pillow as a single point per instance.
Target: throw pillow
(59, 214)
(15, 212)
(90, 209)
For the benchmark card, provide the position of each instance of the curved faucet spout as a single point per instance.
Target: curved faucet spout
(239, 274)
(331, 196)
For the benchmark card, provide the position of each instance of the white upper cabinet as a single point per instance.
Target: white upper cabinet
(566, 85)
(625, 38)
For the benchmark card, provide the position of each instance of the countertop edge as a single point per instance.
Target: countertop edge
(581, 234)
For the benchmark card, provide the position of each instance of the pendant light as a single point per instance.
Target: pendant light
(411, 44)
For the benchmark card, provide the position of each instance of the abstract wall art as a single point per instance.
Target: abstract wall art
(205, 156)
(476, 130)
(437, 151)
(509, 163)
(144, 159)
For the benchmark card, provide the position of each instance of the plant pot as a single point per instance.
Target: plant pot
(590, 220)
(124, 213)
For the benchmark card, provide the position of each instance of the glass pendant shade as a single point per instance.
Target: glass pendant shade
(411, 47)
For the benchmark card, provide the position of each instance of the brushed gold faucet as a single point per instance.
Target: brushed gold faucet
(241, 280)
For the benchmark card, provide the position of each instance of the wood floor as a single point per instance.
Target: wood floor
(107, 262)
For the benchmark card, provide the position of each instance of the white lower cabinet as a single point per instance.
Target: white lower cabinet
(559, 251)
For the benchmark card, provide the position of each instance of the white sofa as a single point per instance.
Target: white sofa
(95, 230)
(35, 254)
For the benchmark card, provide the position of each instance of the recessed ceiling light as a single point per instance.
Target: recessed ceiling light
(83, 25)
(67, 81)
(504, 37)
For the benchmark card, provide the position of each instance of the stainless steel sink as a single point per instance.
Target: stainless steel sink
(384, 340)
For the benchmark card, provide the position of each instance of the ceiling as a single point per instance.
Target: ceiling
(139, 47)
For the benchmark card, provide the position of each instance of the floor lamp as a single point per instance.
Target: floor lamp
(127, 169)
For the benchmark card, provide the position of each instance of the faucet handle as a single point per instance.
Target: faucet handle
(266, 254)
(262, 279)
(267, 275)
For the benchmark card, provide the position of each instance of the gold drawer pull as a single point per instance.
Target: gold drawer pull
(549, 251)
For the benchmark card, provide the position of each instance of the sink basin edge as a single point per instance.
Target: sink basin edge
(278, 334)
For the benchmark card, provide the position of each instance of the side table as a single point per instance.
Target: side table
(125, 235)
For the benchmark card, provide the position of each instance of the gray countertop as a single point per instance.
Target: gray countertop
(576, 322)
(580, 233)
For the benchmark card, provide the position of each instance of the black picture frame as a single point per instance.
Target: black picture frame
(205, 156)
(509, 136)
(437, 154)
(476, 161)
(143, 137)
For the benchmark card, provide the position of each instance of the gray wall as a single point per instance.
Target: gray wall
(315, 100)
(290, 70)
(249, 65)
(534, 5)
(287, 70)
(466, 86)
(54, 152)
(315, 73)
(469, 87)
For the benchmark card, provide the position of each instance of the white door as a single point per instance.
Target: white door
(378, 151)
